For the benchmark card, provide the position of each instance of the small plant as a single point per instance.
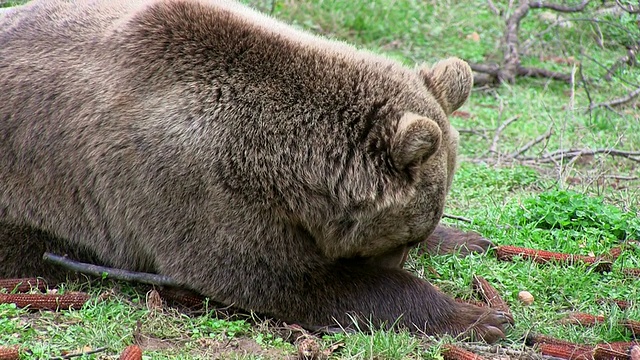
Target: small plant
(216, 327)
(568, 210)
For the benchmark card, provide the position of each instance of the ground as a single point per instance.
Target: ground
(511, 193)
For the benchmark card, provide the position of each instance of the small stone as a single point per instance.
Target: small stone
(525, 297)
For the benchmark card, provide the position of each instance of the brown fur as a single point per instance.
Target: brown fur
(257, 164)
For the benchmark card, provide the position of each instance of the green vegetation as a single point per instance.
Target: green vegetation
(579, 205)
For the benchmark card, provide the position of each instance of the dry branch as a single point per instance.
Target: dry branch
(532, 143)
(112, 273)
(499, 130)
(630, 58)
(564, 154)
(79, 354)
(511, 67)
(619, 101)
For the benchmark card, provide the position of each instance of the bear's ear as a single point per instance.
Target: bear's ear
(450, 81)
(414, 141)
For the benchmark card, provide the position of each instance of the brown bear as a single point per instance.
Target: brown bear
(257, 164)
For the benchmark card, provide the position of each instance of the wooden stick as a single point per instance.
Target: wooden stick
(111, 273)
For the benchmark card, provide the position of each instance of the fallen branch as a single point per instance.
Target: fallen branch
(619, 101)
(542, 73)
(629, 58)
(111, 273)
(455, 217)
(78, 354)
(532, 143)
(499, 130)
(571, 153)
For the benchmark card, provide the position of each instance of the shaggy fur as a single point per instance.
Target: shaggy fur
(254, 163)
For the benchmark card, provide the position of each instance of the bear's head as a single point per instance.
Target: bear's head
(420, 149)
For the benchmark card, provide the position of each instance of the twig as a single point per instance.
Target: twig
(558, 7)
(571, 153)
(619, 101)
(101, 271)
(456, 217)
(631, 9)
(629, 58)
(542, 73)
(499, 130)
(493, 7)
(532, 143)
(72, 355)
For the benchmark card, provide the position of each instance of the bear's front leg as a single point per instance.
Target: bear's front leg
(385, 297)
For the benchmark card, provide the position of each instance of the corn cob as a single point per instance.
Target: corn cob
(569, 352)
(472, 302)
(622, 304)
(543, 339)
(615, 253)
(632, 272)
(9, 352)
(46, 301)
(23, 284)
(632, 325)
(507, 253)
(613, 351)
(182, 297)
(490, 294)
(452, 352)
(131, 352)
(578, 318)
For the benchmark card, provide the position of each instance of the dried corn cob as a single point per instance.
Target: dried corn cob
(490, 294)
(632, 271)
(578, 318)
(615, 252)
(23, 284)
(182, 297)
(613, 351)
(570, 352)
(9, 352)
(452, 352)
(632, 325)
(622, 304)
(46, 301)
(131, 352)
(543, 339)
(472, 302)
(507, 252)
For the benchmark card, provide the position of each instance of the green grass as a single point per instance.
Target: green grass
(570, 206)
